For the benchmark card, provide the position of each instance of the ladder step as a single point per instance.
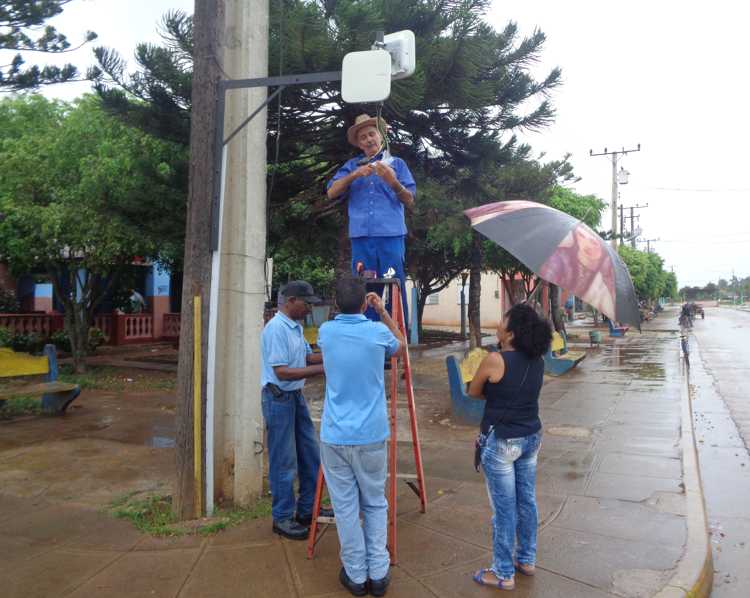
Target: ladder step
(406, 476)
(322, 519)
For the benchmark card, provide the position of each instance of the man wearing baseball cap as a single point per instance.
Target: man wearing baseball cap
(287, 360)
(378, 187)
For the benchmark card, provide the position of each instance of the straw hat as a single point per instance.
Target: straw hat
(364, 120)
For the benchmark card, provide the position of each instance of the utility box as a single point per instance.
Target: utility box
(402, 48)
(366, 77)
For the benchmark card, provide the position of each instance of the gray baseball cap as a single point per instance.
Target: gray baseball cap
(300, 289)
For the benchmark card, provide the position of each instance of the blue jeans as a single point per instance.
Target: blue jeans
(510, 473)
(379, 254)
(355, 476)
(292, 452)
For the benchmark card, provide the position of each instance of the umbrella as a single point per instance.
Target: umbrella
(562, 250)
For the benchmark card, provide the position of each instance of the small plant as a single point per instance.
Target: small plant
(9, 303)
(152, 514)
(61, 340)
(26, 343)
(96, 338)
(5, 337)
(18, 406)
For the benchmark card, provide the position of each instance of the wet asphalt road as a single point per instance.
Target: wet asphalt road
(719, 381)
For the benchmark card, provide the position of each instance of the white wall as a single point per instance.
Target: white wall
(447, 311)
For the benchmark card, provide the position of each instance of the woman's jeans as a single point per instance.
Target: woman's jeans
(509, 466)
(355, 476)
(292, 452)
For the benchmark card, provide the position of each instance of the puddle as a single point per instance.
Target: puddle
(162, 437)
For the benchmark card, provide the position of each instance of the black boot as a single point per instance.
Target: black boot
(355, 589)
(289, 528)
(378, 587)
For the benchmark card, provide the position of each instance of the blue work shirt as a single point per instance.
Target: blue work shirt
(282, 343)
(354, 350)
(374, 208)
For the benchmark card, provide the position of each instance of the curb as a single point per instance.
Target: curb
(694, 575)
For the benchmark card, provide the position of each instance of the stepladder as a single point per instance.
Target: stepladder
(400, 376)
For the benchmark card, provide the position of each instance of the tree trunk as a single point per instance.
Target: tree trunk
(554, 305)
(475, 292)
(208, 34)
(421, 302)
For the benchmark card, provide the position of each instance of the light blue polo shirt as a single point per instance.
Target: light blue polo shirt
(282, 343)
(354, 351)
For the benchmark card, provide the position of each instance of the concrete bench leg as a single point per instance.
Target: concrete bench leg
(57, 403)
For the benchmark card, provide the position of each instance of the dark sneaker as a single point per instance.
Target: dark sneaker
(291, 529)
(355, 589)
(378, 587)
(306, 520)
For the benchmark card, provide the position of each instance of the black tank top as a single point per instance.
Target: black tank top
(513, 403)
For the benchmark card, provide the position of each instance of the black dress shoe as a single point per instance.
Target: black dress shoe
(378, 587)
(289, 528)
(355, 589)
(307, 519)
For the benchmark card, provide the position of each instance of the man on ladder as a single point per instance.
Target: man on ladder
(354, 430)
(378, 187)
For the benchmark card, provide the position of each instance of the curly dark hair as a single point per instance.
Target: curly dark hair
(532, 334)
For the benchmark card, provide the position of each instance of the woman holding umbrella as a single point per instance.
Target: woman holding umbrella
(510, 436)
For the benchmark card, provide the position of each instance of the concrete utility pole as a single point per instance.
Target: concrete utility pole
(238, 421)
(632, 218)
(615, 154)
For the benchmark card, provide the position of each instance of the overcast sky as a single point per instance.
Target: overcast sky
(666, 74)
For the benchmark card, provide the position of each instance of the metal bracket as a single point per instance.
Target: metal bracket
(220, 142)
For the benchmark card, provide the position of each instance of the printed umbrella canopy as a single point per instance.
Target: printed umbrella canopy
(562, 250)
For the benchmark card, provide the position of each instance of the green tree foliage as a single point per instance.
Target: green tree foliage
(22, 30)
(586, 208)
(81, 195)
(452, 121)
(650, 279)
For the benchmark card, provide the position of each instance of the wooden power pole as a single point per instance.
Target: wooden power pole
(208, 31)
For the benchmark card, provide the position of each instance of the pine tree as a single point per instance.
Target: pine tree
(20, 20)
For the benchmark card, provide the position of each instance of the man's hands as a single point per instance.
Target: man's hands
(379, 168)
(374, 301)
(385, 172)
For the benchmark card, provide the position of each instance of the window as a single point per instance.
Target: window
(433, 299)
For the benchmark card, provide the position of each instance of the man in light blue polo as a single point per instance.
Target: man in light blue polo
(293, 451)
(354, 430)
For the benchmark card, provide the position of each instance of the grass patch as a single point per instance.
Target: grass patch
(119, 379)
(153, 515)
(18, 406)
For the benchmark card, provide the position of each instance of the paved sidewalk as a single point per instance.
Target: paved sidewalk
(610, 490)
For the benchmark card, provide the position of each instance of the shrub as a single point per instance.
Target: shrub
(26, 343)
(61, 340)
(5, 337)
(96, 338)
(9, 303)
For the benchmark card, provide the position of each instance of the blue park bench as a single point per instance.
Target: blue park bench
(55, 395)
(465, 408)
(559, 359)
(617, 331)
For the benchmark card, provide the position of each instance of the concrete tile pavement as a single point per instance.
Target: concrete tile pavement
(613, 511)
